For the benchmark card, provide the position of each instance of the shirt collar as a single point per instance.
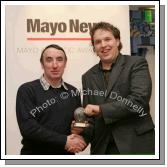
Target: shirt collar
(46, 85)
(101, 68)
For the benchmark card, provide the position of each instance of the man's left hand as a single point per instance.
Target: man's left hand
(92, 110)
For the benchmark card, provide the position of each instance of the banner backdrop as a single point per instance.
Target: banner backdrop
(31, 28)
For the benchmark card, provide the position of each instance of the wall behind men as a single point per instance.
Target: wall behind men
(30, 28)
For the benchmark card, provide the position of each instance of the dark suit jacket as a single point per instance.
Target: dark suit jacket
(124, 104)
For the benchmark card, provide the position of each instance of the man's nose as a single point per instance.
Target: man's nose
(103, 43)
(55, 64)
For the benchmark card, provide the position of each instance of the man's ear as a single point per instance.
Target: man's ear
(118, 42)
(42, 65)
(65, 64)
(93, 49)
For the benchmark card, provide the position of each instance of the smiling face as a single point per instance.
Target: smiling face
(106, 46)
(53, 64)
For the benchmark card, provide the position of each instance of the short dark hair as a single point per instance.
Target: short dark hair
(52, 46)
(109, 27)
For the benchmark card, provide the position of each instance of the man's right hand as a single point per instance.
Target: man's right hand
(75, 143)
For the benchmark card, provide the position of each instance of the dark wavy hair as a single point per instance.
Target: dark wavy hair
(106, 26)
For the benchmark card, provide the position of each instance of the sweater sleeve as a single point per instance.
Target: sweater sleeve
(28, 124)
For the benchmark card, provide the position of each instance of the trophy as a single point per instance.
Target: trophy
(80, 118)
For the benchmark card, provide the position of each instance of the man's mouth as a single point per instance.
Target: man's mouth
(55, 72)
(105, 51)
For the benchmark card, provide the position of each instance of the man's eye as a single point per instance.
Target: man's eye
(107, 39)
(49, 59)
(96, 42)
(60, 59)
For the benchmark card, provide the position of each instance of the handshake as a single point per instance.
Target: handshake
(75, 143)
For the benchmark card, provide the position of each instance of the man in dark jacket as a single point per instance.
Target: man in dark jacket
(118, 93)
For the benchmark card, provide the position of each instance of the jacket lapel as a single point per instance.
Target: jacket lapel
(117, 68)
(99, 79)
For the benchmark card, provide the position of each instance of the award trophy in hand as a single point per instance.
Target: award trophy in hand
(80, 118)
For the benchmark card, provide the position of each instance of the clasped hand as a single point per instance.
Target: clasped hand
(75, 143)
